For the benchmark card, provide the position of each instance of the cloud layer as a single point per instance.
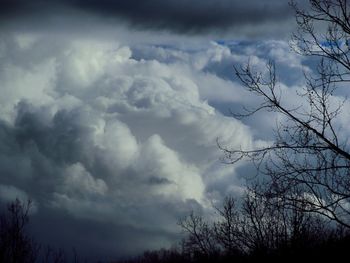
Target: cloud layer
(114, 143)
(245, 18)
(89, 131)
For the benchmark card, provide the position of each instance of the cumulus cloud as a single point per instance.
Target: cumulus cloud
(78, 181)
(116, 142)
(88, 130)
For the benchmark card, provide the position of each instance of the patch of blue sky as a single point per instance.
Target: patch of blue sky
(334, 44)
(225, 42)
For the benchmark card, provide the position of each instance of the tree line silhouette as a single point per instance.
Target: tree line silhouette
(255, 229)
(17, 245)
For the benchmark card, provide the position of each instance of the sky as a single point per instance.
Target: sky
(110, 112)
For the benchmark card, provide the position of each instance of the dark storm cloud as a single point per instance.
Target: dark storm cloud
(196, 16)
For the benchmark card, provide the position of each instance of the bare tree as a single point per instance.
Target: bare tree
(15, 245)
(200, 240)
(308, 164)
(257, 226)
(268, 226)
(228, 231)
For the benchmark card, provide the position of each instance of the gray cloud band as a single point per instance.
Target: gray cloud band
(178, 16)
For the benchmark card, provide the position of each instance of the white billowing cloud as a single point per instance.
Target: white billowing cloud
(116, 143)
(168, 175)
(31, 84)
(119, 134)
(78, 181)
(84, 62)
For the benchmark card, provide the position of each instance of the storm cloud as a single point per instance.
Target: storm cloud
(114, 143)
(92, 135)
(253, 18)
(111, 126)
